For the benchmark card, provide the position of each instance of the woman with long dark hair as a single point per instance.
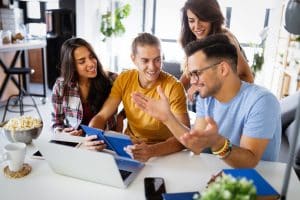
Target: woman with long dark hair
(201, 18)
(80, 91)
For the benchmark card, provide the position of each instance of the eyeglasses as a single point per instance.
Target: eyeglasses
(197, 73)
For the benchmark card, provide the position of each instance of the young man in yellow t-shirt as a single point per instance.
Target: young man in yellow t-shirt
(151, 137)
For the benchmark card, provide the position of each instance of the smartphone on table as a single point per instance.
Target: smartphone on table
(154, 188)
(37, 155)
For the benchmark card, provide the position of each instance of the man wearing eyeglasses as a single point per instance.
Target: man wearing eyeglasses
(238, 121)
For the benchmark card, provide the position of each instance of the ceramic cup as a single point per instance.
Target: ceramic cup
(14, 154)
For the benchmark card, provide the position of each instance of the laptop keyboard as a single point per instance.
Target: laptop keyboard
(124, 173)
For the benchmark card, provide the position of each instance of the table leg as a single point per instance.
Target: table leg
(7, 77)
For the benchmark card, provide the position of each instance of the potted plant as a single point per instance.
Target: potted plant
(111, 21)
(258, 61)
(226, 187)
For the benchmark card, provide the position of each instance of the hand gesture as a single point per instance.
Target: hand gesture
(197, 140)
(159, 109)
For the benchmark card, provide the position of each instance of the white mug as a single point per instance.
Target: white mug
(14, 153)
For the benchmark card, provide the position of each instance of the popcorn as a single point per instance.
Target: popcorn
(22, 123)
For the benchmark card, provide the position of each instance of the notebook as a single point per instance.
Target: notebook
(98, 167)
(263, 188)
(180, 195)
(114, 141)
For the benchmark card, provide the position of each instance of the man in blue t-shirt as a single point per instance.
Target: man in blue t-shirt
(239, 122)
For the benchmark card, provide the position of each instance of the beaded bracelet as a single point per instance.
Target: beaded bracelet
(224, 151)
(226, 154)
(225, 146)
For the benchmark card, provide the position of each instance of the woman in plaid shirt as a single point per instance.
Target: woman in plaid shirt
(80, 91)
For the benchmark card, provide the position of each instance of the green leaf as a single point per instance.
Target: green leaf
(119, 14)
(229, 188)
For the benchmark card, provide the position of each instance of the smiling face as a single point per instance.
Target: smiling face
(199, 28)
(148, 61)
(86, 63)
(207, 82)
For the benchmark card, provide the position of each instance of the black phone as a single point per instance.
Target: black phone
(154, 188)
(67, 143)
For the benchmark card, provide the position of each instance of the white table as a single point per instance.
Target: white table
(181, 171)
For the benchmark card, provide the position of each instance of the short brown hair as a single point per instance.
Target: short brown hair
(216, 47)
(144, 39)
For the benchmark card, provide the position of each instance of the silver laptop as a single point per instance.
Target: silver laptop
(98, 167)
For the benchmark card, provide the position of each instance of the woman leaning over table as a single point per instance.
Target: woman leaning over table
(201, 18)
(82, 88)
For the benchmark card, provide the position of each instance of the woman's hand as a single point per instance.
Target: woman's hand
(190, 93)
(92, 144)
(72, 131)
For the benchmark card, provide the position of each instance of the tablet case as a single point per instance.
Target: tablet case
(114, 141)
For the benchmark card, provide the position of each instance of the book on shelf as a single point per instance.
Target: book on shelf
(114, 141)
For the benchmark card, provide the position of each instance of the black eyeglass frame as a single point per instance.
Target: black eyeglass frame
(198, 72)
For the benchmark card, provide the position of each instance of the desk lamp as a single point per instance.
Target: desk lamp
(292, 25)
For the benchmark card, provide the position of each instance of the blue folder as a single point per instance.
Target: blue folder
(180, 195)
(263, 188)
(114, 141)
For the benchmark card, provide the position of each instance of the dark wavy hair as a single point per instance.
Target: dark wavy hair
(100, 85)
(205, 10)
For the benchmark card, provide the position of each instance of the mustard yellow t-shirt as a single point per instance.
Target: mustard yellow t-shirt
(142, 126)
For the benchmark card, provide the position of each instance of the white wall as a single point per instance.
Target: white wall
(88, 26)
(88, 14)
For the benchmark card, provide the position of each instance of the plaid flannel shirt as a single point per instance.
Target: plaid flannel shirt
(67, 110)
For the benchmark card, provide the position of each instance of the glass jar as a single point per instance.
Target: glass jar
(6, 37)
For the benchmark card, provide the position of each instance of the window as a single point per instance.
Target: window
(168, 29)
(242, 24)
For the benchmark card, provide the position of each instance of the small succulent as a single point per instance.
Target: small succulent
(226, 187)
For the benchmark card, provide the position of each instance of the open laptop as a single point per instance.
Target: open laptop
(98, 167)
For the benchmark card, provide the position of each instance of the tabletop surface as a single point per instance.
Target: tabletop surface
(28, 44)
(181, 171)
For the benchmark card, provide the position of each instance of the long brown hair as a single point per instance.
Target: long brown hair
(205, 10)
(100, 85)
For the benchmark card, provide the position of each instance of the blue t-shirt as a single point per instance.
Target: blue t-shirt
(254, 112)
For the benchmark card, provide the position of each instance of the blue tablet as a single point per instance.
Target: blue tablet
(94, 131)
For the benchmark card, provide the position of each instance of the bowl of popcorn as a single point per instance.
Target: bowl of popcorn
(22, 129)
